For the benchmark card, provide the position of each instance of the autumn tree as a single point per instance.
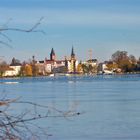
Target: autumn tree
(118, 56)
(79, 68)
(3, 68)
(112, 66)
(122, 59)
(133, 59)
(28, 70)
(89, 69)
(34, 67)
(138, 65)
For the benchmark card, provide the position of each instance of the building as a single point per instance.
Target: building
(92, 62)
(109, 67)
(13, 69)
(53, 65)
(16, 66)
(89, 67)
(72, 63)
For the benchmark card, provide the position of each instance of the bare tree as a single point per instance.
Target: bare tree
(4, 28)
(16, 125)
(3, 67)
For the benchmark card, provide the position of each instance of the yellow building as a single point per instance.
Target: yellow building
(72, 63)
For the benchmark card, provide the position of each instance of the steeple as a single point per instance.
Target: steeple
(72, 53)
(52, 55)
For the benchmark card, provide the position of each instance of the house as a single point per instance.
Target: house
(89, 67)
(13, 69)
(9, 72)
(109, 67)
(16, 66)
(92, 62)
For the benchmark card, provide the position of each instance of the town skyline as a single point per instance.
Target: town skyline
(121, 62)
(89, 55)
(103, 26)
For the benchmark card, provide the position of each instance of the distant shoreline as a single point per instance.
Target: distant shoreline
(69, 75)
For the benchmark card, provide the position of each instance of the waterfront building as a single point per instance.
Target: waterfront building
(92, 62)
(109, 67)
(72, 63)
(89, 67)
(53, 65)
(13, 69)
(16, 66)
(9, 72)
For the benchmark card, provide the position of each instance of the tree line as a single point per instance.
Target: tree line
(120, 62)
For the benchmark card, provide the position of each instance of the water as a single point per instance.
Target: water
(110, 105)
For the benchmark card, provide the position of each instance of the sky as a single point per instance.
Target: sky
(103, 26)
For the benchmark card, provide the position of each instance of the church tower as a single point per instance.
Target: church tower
(73, 61)
(52, 55)
(72, 53)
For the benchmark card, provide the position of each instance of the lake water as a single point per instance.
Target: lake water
(110, 105)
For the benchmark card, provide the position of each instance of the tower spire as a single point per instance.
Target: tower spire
(72, 53)
(52, 55)
(52, 52)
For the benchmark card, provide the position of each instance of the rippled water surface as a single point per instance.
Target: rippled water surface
(110, 105)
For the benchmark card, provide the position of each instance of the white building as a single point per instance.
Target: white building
(9, 72)
(16, 69)
(13, 69)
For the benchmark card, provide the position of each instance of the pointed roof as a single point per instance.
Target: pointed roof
(72, 52)
(52, 52)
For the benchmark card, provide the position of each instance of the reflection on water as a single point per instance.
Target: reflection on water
(111, 104)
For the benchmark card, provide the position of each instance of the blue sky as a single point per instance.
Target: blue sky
(104, 26)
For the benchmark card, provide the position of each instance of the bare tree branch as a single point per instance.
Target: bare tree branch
(11, 125)
(5, 28)
(32, 29)
(6, 44)
(18, 125)
(5, 36)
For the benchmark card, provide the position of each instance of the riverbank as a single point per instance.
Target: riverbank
(68, 75)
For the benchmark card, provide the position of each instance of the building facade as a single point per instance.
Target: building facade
(53, 65)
